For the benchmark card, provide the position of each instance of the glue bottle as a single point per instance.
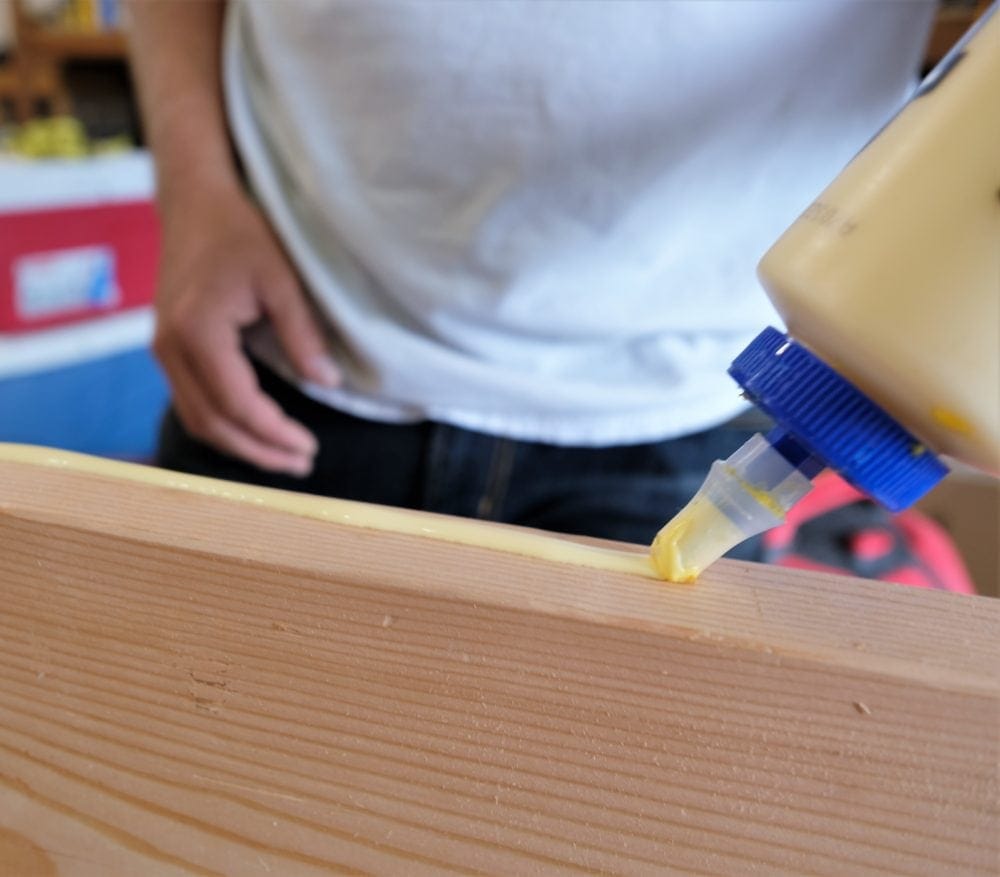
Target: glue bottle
(889, 284)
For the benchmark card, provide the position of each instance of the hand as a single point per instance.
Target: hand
(223, 270)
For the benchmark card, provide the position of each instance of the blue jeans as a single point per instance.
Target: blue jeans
(624, 492)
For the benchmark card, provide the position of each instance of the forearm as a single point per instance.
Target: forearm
(175, 48)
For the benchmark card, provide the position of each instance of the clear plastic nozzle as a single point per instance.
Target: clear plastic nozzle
(745, 495)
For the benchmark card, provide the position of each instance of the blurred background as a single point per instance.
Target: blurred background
(78, 234)
(79, 251)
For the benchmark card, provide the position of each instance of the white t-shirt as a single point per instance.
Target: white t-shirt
(542, 219)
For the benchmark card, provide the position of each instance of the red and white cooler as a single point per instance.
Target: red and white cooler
(79, 245)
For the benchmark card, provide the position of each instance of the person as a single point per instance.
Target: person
(487, 259)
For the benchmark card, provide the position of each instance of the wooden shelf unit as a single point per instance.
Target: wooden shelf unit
(61, 44)
(35, 74)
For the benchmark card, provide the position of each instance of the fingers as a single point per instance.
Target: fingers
(296, 327)
(220, 402)
(213, 291)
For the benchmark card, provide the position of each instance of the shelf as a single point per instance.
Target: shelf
(65, 44)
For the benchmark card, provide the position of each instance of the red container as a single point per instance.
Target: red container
(67, 264)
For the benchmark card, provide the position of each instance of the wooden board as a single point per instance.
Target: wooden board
(189, 685)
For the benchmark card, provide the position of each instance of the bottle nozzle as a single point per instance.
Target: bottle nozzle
(745, 495)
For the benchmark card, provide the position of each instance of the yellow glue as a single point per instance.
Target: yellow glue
(514, 540)
(693, 540)
(748, 493)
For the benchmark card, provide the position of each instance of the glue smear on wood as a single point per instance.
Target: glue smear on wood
(480, 534)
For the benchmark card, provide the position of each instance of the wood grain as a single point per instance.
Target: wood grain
(193, 686)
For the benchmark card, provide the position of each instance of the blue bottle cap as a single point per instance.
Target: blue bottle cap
(836, 421)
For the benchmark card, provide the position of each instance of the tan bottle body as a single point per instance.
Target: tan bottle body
(892, 276)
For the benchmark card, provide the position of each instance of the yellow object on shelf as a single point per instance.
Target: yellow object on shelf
(58, 137)
(61, 137)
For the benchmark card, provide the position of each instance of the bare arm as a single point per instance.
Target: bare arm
(222, 267)
(175, 48)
